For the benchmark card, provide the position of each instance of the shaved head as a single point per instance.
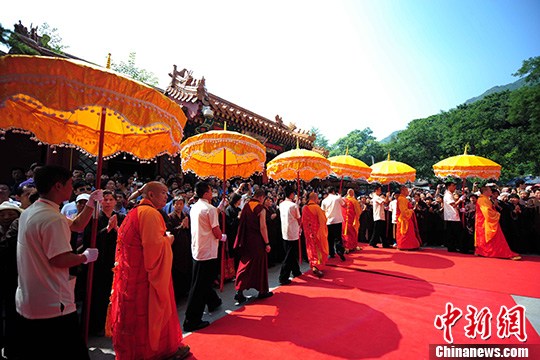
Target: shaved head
(313, 196)
(153, 186)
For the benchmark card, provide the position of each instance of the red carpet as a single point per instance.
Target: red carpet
(439, 266)
(352, 314)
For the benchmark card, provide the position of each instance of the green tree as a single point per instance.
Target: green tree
(44, 36)
(361, 144)
(320, 139)
(50, 38)
(530, 69)
(128, 68)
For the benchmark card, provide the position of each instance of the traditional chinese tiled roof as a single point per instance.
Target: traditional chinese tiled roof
(192, 93)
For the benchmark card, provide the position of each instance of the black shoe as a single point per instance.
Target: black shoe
(240, 299)
(189, 327)
(285, 282)
(341, 256)
(214, 307)
(374, 245)
(265, 295)
(296, 275)
(318, 273)
(332, 256)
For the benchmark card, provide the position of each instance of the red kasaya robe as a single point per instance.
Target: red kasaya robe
(252, 270)
(488, 237)
(351, 222)
(316, 234)
(407, 237)
(143, 317)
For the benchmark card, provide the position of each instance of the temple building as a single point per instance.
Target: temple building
(207, 111)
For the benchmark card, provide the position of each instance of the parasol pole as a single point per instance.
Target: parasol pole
(99, 170)
(298, 201)
(90, 275)
(223, 217)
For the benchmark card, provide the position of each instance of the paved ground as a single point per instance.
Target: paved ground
(101, 347)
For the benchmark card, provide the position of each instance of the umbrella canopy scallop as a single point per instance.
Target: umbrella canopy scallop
(389, 171)
(346, 165)
(60, 101)
(298, 163)
(465, 166)
(203, 154)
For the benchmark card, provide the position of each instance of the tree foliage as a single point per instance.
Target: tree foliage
(503, 127)
(361, 144)
(320, 139)
(530, 69)
(128, 68)
(43, 36)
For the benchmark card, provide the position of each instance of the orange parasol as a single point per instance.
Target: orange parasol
(298, 164)
(465, 166)
(388, 170)
(60, 101)
(346, 165)
(75, 104)
(222, 153)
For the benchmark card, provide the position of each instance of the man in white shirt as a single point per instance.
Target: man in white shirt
(379, 218)
(452, 223)
(290, 231)
(205, 237)
(332, 205)
(45, 294)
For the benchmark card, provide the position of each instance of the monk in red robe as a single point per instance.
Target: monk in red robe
(489, 238)
(143, 317)
(407, 236)
(351, 222)
(316, 234)
(253, 245)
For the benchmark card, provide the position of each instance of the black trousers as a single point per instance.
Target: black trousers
(379, 233)
(335, 242)
(290, 262)
(201, 292)
(454, 235)
(60, 337)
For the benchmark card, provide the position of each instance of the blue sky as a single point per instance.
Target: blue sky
(334, 65)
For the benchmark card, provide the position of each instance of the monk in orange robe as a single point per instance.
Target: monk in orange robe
(407, 236)
(143, 318)
(351, 222)
(316, 234)
(489, 238)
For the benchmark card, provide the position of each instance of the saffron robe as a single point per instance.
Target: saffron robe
(351, 222)
(407, 237)
(252, 270)
(489, 238)
(143, 318)
(316, 234)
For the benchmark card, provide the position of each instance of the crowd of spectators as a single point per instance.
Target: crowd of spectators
(519, 207)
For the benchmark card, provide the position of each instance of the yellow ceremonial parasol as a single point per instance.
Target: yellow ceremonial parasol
(226, 154)
(60, 102)
(388, 171)
(71, 103)
(465, 166)
(298, 164)
(346, 165)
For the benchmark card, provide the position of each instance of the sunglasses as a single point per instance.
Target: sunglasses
(88, 188)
